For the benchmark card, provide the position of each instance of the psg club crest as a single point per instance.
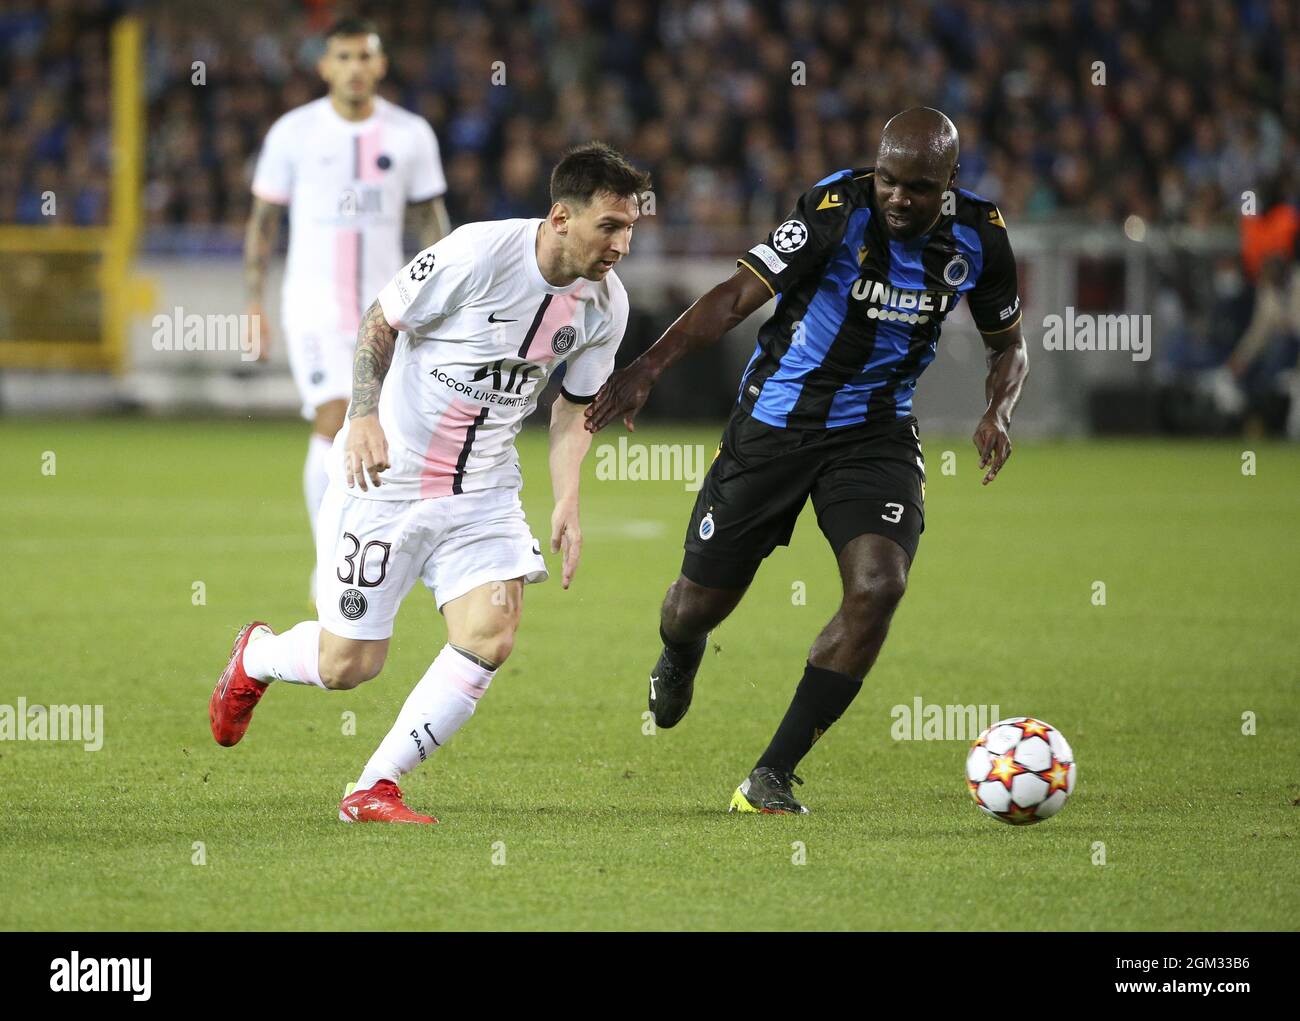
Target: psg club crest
(790, 236)
(422, 267)
(352, 604)
(956, 272)
(563, 339)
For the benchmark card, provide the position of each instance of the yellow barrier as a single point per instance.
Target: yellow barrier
(68, 293)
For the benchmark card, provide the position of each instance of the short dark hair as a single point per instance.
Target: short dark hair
(351, 26)
(587, 170)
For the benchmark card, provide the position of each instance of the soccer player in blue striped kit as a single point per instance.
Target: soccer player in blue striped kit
(864, 270)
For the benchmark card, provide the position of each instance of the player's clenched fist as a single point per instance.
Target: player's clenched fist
(366, 451)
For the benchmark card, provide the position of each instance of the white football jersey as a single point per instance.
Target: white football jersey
(480, 332)
(346, 184)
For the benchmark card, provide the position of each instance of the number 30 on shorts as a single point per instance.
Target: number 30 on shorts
(893, 513)
(357, 570)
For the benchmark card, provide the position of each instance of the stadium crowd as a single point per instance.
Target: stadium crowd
(734, 105)
(1070, 111)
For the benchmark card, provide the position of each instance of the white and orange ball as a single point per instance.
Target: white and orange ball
(1021, 770)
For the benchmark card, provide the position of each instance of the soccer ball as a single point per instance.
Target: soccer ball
(1021, 770)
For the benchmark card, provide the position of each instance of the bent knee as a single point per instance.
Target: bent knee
(670, 614)
(345, 671)
(494, 649)
(876, 594)
(488, 643)
(692, 609)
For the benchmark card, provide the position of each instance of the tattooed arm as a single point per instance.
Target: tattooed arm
(366, 451)
(259, 241)
(429, 221)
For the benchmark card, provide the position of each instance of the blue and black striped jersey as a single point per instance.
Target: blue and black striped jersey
(858, 312)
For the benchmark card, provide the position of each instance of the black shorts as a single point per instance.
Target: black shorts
(862, 479)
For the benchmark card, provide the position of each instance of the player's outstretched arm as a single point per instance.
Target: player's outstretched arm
(704, 323)
(259, 241)
(570, 442)
(366, 451)
(1008, 361)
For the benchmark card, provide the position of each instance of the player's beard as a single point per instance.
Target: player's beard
(590, 270)
(357, 95)
(598, 267)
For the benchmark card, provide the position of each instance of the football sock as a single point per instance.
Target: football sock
(437, 707)
(820, 700)
(293, 656)
(685, 656)
(315, 479)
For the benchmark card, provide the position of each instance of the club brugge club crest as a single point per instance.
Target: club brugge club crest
(706, 527)
(563, 339)
(352, 604)
(956, 272)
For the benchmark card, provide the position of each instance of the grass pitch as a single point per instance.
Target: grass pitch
(557, 810)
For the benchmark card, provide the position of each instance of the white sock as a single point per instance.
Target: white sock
(315, 479)
(293, 656)
(436, 708)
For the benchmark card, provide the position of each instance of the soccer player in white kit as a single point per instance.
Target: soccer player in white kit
(425, 478)
(348, 166)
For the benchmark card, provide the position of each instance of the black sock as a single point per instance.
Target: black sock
(685, 656)
(820, 700)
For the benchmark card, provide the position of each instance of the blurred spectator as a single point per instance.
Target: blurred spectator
(1270, 255)
(1231, 326)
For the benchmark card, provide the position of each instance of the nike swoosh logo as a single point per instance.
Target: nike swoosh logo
(493, 320)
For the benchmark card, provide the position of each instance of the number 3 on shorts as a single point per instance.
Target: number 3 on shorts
(893, 513)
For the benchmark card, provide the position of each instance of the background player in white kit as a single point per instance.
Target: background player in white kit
(425, 478)
(348, 165)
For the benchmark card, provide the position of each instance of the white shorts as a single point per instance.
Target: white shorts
(321, 361)
(370, 552)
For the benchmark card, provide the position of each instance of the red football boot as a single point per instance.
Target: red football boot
(236, 695)
(381, 803)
